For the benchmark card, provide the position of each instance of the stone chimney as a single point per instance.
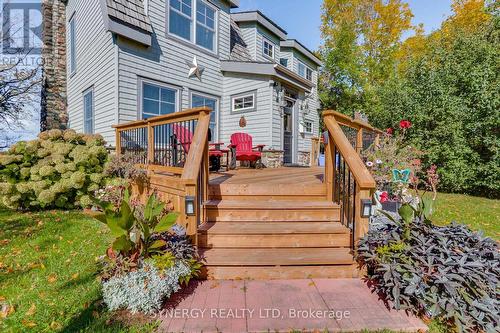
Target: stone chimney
(54, 113)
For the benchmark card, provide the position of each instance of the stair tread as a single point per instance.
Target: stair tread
(277, 257)
(269, 204)
(272, 228)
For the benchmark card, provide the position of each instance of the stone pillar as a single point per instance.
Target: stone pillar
(54, 113)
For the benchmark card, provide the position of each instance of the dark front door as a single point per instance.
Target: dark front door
(288, 132)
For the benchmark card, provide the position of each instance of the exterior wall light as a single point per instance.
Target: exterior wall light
(189, 206)
(366, 208)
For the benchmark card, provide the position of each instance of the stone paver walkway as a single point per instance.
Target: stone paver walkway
(339, 305)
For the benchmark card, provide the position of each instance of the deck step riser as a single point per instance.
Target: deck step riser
(274, 241)
(271, 215)
(298, 198)
(280, 272)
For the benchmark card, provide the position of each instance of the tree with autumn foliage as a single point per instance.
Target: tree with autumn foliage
(361, 39)
(446, 83)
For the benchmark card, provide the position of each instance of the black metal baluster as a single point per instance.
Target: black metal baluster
(349, 198)
(353, 229)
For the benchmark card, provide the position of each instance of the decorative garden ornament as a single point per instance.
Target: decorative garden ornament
(195, 68)
(401, 176)
(243, 122)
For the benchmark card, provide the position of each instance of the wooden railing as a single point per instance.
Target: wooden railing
(174, 150)
(348, 180)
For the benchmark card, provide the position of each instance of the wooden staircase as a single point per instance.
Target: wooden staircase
(275, 231)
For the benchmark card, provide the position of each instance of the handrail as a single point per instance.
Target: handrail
(174, 150)
(361, 174)
(345, 120)
(347, 179)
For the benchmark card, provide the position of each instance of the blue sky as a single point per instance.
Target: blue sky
(301, 18)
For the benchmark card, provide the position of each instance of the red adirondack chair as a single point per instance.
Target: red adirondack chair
(243, 150)
(184, 137)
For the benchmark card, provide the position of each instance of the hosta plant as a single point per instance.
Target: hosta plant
(60, 169)
(450, 273)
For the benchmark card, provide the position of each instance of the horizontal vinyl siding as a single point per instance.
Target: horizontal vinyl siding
(95, 66)
(305, 139)
(259, 120)
(264, 33)
(249, 34)
(165, 61)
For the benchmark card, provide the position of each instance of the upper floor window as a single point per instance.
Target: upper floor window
(284, 62)
(72, 45)
(158, 100)
(88, 111)
(203, 33)
(267, 48)
(305, 71)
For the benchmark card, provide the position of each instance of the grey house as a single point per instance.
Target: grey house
(129, 60)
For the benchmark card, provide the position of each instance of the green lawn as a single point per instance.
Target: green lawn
(48, 274)
(478, 213)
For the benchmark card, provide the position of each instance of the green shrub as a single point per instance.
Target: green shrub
(61, 169)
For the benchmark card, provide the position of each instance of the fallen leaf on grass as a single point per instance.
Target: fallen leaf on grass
(5, 241)
(74, 276)
(55, 326)
(52, 278)
(31, 311)
(28, 323)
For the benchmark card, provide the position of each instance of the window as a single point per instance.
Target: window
(205, 26)
(198, 101)
(267, 48)
(284, 62)
(181, 22)
(244, 102)
(157, 100)
(305, 71)
(309, 74)
(308, 127)
(72, 45)
(180, 18)
(88, 111)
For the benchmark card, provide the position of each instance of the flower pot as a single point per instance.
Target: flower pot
(391, 206)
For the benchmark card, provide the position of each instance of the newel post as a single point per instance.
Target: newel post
(118, 141)
(151, 145)
(359, 140)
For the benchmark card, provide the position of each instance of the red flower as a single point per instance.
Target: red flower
(384, 197)
(404, 124)
(389, 131)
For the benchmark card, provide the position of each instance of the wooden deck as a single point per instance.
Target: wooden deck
(273, 223)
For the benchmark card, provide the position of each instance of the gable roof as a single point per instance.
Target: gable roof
(239, 51)
(257, 16)
(293, 43)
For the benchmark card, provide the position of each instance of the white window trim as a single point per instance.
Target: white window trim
(305, 70)
(72, 44)
(140, 93)
(305, 127)
(194, 8)
(244, 95)
(266, 40)
(215, 136)
(85, 93)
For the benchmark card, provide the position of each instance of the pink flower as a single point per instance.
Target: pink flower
(404, 124)
(389, 131)
(384, 197)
